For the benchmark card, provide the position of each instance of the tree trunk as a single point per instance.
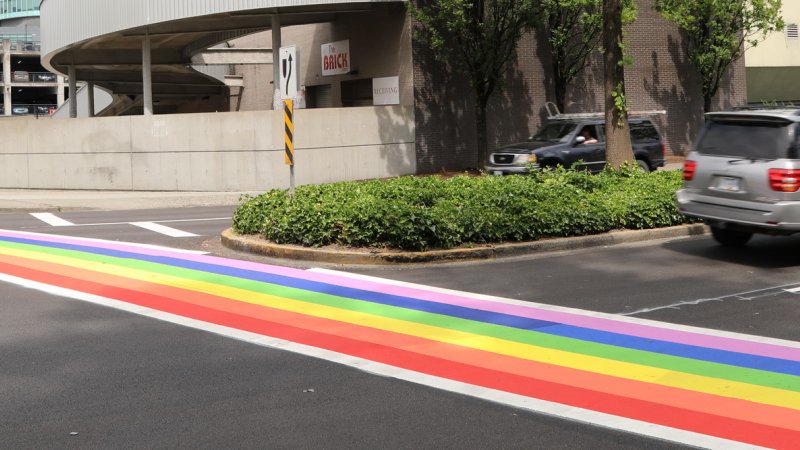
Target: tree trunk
(707, 103)
(560, 87)
(618, 137)
(480, 131)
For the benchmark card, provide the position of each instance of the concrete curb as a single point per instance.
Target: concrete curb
(257, 245)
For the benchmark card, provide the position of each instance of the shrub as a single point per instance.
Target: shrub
(420, 213)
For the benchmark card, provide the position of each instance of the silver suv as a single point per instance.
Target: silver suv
(743, 175)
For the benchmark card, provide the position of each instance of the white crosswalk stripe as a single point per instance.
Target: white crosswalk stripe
(52, 220)
(163, 229)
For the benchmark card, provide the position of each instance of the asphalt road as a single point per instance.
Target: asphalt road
(121, 380)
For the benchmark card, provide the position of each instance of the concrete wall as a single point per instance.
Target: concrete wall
(773, 66)
(206, 152)
(777, 49)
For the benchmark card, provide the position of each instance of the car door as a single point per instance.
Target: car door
(589, 155)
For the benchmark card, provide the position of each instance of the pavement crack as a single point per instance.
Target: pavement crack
(741, 296)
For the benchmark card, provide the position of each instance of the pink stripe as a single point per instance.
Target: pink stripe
(574, 319)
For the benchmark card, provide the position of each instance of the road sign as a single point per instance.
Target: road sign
(288, 71)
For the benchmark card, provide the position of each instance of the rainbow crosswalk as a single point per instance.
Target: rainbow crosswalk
(689, 385)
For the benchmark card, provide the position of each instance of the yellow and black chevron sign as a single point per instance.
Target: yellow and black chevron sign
(288, 137)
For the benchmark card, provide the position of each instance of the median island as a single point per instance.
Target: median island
(434, 213)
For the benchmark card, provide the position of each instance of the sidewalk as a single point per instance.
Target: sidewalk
(27, 200)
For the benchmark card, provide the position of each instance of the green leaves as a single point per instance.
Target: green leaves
(719, 31)
(420, 213)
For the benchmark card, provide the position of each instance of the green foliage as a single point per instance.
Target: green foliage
(719, 31)
(573, 32)
(620, 102)
(420, 213)
(477, 39)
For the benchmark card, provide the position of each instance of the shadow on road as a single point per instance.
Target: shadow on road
(766, 252)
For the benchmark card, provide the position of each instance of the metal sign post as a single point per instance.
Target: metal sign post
(288, 138)
(287, 87)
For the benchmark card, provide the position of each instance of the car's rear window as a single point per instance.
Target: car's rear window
(644, 132)
(751, 140)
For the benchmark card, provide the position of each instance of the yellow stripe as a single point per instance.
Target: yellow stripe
(709, 385)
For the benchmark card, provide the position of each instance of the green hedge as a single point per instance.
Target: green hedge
(421, 213)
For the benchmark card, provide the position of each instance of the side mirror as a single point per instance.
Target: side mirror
(580, 140)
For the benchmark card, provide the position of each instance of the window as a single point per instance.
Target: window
(791, 31)
(745, 139)
(643, 132)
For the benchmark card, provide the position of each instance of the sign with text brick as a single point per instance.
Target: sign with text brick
(336, 58)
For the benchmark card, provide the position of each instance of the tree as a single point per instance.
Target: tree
(477, 38)
(616, 13)
(573, 30)
(719, 31)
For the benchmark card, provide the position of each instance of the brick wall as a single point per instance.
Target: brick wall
(660, 78)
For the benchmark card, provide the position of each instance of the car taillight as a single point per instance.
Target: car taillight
(689, 167)
(663, 150)
(784, 180)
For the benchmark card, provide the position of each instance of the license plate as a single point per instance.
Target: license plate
(729, 184)
(497, 172)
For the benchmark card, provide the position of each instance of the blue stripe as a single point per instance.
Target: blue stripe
(553, 328)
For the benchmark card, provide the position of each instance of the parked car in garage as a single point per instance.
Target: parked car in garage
(20, 110)
(743, 175)
(576, 140)
(44, 77)
(21, 75)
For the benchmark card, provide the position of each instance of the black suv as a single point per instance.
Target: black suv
(576, 142)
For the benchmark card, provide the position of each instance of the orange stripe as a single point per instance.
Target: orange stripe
(690, 400)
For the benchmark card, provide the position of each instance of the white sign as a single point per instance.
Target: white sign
(336, 58)
(386, 91)
(288, 71)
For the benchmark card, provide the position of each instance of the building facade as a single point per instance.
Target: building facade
(370, 99)
(28, 88)
(773, 66)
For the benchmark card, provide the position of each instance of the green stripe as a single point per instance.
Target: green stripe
(652, 359)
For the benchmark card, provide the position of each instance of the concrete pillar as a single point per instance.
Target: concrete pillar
(7, 77)
(73, 92)
(276, 67)
(147, 76)
(60, 93)
(90, 96)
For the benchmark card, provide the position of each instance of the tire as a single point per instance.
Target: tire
(643, 165)
(730, 238)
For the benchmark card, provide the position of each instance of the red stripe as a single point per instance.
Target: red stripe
(714, 425)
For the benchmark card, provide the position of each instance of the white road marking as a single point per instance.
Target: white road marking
(505, 398)
(52, 220)
(744, 296)
(163, 229)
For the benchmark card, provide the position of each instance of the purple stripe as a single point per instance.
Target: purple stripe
(575, 319)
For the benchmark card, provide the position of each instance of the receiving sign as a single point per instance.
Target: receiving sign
(386, 91)
(336, 58)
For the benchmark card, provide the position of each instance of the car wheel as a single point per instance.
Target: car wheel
(730, 238)
(643, 165)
